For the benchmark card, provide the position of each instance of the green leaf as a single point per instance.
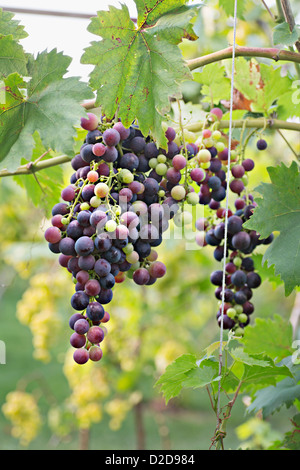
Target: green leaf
(52, 108)
(205, 374)
(228, 7)
(265, 272)
(12, 57)
(271, 399)
(279, 210)
(137, 69)
(259, 83)
(283, 35)
(43, 188)
(216, 86)
(272, 337)
(171, 381)
(238, 354)
(264, 375)
(10, 26)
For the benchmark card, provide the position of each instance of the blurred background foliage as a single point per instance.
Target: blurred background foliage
(49, 402)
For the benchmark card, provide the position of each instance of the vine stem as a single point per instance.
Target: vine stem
(243, 51)
(259, 123)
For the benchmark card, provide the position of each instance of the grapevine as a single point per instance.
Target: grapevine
(123, 194)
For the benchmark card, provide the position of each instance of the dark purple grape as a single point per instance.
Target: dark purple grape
(86, 262)
(81, 356)
(248, 264)
(137, 144)
(84, 246)
(239, 278)
(228, 323)
(95, 335)
(253, 280)
(235, 224)
(74, 230)
(214, 183)
(261, 144)
(105, 296)
(248, 164)
(80, 300)
(83, 218)
(74, 318)
(219, 194)
(111, 137)
(102, 267)
(60, 208)
(216, 278)
(95, 311)
(240, 297)
(81, 326)
(77, 340)
(151, 151)
(129, 161)
(108, 281)
(141, 276)
(67, 246)
(241, 241)
(86, 153)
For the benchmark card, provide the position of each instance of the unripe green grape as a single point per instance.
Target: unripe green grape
(216, 135)
(95, 201)
(133, 257)
(134, 267)
(208, 142)
(237, 261)
(192, 198)
(126, 176)
(161, 158)
(242, 318)
(128, 249)
(204, 156)
(238, 309)
(205, 165)
(153, 163)
(161, 169)
(110, 226)
(239, 332)
(161, 193)
(65, 220)
(220, 146)
(84, 206)
(245, 180)
(101, 190)
(231, 313)
(178, 193)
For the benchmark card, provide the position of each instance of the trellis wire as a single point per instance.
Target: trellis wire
(226, 212)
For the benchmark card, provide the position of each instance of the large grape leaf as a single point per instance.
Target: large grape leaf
(285, 392)
(137, 68)
(48, 104)
(279, 210)
(271, 336)
(215, 84)
(10, 26)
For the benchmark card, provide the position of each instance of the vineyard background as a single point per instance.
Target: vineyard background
(114, 405)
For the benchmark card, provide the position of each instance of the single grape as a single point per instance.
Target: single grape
(81, 356)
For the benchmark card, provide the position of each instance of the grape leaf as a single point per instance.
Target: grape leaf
(228, 7)
(279, 210)
(283, 35)
(52, 107)
(138, 68)
(12, 57)
(272, 398)
(43, 188)
(272, 336)
(175, 374)
(216, 85)
(10, 26)
(259, 83)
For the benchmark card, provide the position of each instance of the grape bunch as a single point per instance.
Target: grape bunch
(112, 216)
(121, 197)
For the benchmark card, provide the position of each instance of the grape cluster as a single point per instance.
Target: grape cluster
(240, 275)
(120, 199)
